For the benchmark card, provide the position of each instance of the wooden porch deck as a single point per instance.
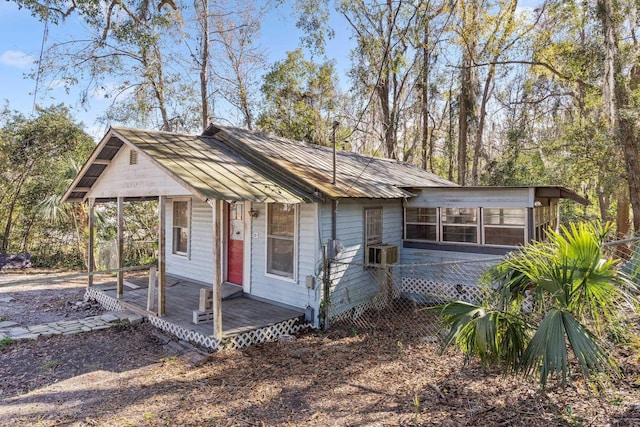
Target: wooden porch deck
(239, 313)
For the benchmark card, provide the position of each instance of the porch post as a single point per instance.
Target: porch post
(162, 242)
(90, 249)
(120, 276)
(217, 269)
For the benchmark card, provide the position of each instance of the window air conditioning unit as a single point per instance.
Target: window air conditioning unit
(382, 254)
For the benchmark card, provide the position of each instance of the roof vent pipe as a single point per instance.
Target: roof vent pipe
(333, 137)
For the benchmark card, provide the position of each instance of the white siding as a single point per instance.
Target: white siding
(352, 283)
(143, 179)
(430, 256)
(474, 197)
(286, 291)
(198, 265)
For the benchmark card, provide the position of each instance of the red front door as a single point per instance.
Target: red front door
(235, 239)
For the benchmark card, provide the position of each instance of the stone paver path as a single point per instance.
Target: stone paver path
(14, 331)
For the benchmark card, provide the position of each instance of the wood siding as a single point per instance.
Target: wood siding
(352, 283)
(474, 197)
(282, 290)
(198, 266)
(142, 179)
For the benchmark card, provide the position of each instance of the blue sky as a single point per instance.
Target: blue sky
(21, 38)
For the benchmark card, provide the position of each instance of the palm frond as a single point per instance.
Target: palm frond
(547, 352)
(490, 334)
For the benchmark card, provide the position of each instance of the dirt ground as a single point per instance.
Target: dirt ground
(126, 377)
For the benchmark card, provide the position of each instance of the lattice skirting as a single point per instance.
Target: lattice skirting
(184, 334)
(105, 301)
(434, 290)
(239, 341)
(267, 333)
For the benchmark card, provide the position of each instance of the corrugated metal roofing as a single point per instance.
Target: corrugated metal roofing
(235, 164)
(356, 175)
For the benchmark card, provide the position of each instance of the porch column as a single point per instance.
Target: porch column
(162, 269)
(217, 268)
(91, 248)
(120, 276)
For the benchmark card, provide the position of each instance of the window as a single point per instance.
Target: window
(373, 226)
(504, 226)
(181, 217)
(480, 226)
(459, 225)
(545, 217)
(422, 223)
(373, 232)
(281, 239)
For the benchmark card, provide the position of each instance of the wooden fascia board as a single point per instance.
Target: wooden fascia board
(96, 152)
(560, 193)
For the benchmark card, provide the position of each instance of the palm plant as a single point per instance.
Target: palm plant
(544, 300)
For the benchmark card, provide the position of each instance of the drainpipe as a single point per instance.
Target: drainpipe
(334, 202)
(334, 235)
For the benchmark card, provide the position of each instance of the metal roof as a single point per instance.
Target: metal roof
(356, 175)
(235, 164)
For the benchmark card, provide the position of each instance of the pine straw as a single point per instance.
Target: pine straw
(342, 378)
(116, 378)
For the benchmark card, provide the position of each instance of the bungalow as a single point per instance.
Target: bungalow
(265, 216)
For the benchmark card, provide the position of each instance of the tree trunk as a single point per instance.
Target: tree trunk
(8, 224)
(426, 143)
(7, 228)
(477, 146)
(204, 65)
(387, 128)
(463, 120)
(622, 213)
(623, 120)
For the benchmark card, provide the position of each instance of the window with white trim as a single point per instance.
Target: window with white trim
(372, 231)
(498, 227)
(281, 239)
(181, 220)
(421, 223)
(459, 225)
(504, 226)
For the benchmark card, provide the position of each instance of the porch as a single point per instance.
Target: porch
(245, 321)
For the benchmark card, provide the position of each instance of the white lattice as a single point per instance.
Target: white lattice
(435, 290)
(108, 303)
(268, 333)
(184, 334)
(238, 341)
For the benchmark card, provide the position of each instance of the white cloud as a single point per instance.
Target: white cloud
(16, 58)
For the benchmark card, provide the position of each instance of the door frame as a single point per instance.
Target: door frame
(246, 261)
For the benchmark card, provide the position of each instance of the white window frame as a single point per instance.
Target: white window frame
(366, 238)
(174, 250)
(475, 225)
(294, 275)
(522, 226)
(435, 224)
(479, 225)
